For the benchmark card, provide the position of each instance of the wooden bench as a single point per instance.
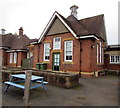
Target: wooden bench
(14, 84)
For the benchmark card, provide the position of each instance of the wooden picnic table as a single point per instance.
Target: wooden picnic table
(35, 82)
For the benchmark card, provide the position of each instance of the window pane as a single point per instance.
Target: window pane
(112, 58)
(46, 51)
(68, 50)
(56, 43)
(15, 57)
(11, 57)
(115, 59)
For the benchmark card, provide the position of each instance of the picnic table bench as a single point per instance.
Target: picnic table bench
(36, 81)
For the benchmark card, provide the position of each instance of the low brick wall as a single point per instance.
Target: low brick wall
(59, 79)
(65, 80)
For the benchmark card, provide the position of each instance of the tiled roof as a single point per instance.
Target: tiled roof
(20, 42)
(77, 26)
(95, 25)
(113, 47)
(14, 42)
(34, 40)
(7, 40)
(87, 26)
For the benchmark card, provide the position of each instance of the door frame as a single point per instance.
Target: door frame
(53, 61)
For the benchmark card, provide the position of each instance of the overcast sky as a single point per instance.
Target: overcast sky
(33, 15)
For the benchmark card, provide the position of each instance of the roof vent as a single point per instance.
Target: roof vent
(73, 10)
(3, 31)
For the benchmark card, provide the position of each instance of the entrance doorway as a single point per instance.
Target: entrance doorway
(56, 61)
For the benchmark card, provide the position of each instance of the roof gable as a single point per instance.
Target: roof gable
(57, 27)
(85, 27)
(62, 19)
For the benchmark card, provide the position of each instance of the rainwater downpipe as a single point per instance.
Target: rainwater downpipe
(38, 53)
(80, 58)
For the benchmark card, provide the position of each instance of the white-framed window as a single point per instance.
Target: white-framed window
(57, 43)
(97, 53)
(46, 51)
(115, 59)
(29, 54)
(100, 53)
(68, 51)
(11, 57)
(15, 57)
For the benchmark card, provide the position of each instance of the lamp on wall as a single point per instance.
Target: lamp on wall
(92, 46)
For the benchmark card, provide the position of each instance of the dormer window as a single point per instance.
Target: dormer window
(57, 43)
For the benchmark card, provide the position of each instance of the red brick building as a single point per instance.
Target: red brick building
(72, 45)
(66, 45)
(13, 48)
(112, 58)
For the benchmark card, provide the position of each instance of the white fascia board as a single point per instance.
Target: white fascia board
(89, 36)
(10, 51)
(32, 43)
(67, 26)
(16, 50)
(50, 22)
(44, 31)
(21, 50)
(4, 48)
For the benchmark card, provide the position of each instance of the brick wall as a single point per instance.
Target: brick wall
(3, 58)
(64, 66)
(110, 66)
(20, 57)
(87, 63)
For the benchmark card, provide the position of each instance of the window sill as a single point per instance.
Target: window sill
(46, 62)
(115, 63)
(100, 63)
(68, 62)
(56, 50)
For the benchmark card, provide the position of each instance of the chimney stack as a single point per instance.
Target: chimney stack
(73, 10)
(3, 31)
(21, 31)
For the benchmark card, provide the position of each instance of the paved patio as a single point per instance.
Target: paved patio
(101, 91)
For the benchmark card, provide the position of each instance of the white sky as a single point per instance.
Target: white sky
(33, 15)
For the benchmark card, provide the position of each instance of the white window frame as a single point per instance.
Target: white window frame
(100, 52)
(11, 57)
(102, 55)
(29, 54)
(114, 59)
(54, 43)
(97, 53)
(45, 52)
(65, 50)
(15, 57)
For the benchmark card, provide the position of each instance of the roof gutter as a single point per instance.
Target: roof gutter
(89, 36)
(4, 47)
(16, 51)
